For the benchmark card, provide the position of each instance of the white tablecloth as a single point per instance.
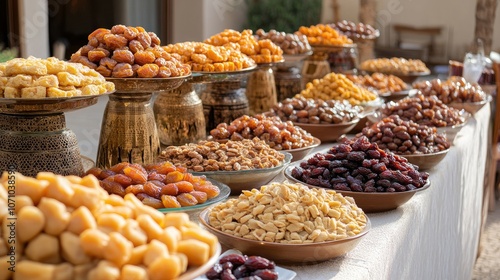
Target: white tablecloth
(435, 235)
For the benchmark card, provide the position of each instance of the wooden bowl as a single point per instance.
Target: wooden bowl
(286, 253)
(426, 161)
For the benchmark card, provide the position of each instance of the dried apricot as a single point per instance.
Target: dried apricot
(152, 189)
(170, 189)
(153, 202)
(187, 199)
(153, 175)
(211, 190)
(174, 177)
(124, 56)
(201, 197)
(138, 176)
(112, 187)
(148, 71)
(144, 57)
(184, 186)
(122, 70)
(135, 189)
(170, 201)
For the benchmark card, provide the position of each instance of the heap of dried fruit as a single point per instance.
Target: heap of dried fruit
(159, 185)
(455, 89)
(236, 266)
(360, 166)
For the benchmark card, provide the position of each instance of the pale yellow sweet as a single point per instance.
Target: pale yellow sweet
(33, 92)
(31, 222)
(47, 81)
(44, 248)
(71, 249)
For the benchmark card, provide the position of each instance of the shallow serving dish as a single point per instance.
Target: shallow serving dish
(246, 179)
(398, 95)
(300, 153)
(283, 273)
(328, 132)
(426, 161)
(194, 272)
(194, 210)
(286, 253)
(471, 107)
(370, 202)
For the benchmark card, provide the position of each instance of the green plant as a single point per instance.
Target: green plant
(7, 54)
(282, 15)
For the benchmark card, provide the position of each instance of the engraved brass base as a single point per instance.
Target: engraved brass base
(35, 143)
(288, 82)
(128, 131)
(223, 102)
(261, 91)
(179, 116)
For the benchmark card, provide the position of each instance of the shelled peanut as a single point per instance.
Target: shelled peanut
(70, 228)
(261, 51)
(315, 111)
(209, 58)
(454, 89)
(323, 34)
(337, 87)
(395, 65)
(290, 214)
(381, 82)
(129, 52)
(425, 110)
(288, 42)
(277, 134)
(159, 185)
(405, 137)
(230, 156)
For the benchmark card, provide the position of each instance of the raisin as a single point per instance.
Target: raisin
(370, 176)
(370, 183)
(148, 71)
(165, 72)
(398, 187)
(122, 70)
(339, 170)
(390, 190)
(370, 189)
(317, 171)
(344, 148)
(313, 181)
(356, 187)
(363, 170)
(379, 167)
(297, 172)
(105, 71)
(94, 171)
(403, 135)
(334, 163)
(155, 41)
(112, 187)
(144, 39)
(325, 183)
(170, 201)
(130, 33)
(386, 175)
(340, 156)
(214, 272)
(384, 183)
(313, 161)
(114, 41)
(341, 187)
(123, 56)
(152, 189)
(356, 156)
(152, 202)
(241, 272)
(108, 63)
(336, 180)
(135, 189)
(400, 177)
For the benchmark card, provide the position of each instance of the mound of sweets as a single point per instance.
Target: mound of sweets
(208, 58)
(159, 185)
(323, 34)
(39, 78)
(454, 89)
(70, 228)
(129, 52)
(288, 42)
(261, 51)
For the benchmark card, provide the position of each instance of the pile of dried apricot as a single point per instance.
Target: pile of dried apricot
(261, 51)
(322, 34)
(159, 185)
(128, 52)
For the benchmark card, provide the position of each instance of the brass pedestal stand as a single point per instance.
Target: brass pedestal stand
(261, 89)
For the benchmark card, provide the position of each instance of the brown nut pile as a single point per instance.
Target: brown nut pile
(288, 42)
(323, 34)
(315, 111)
(405, 137)
(356, 31)
(289, 213)
(70, 228)
(360, 166)
(395, 65)
(425, 110)
(455, 89)
(337, 87)
(230, 156)
(261, 51)
(277, 134)
(381, 82)
(129, 52)
(208, 58)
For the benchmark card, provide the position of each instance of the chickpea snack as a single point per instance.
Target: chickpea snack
(129, 52)
(70, 228)
(337, 87)
(288, 223)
